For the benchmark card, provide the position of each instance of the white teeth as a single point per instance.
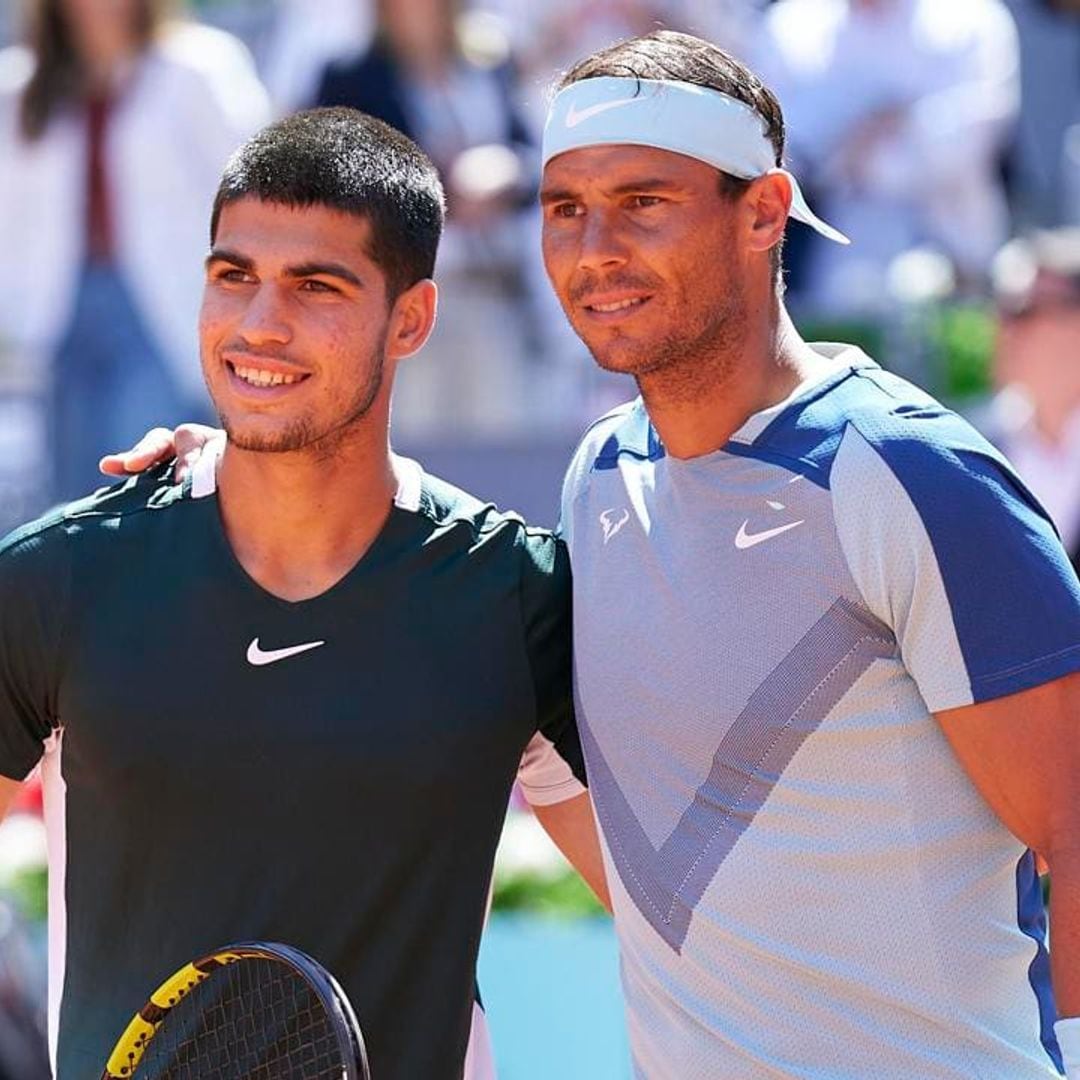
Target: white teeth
(619, 305)
(264, 378)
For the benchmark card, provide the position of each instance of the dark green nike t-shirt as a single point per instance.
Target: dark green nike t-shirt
(221, 765)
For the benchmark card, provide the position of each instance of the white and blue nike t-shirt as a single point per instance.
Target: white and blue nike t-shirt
(806, 884)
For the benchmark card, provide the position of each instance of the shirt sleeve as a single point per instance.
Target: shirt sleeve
(950, 550)
(552, 768)
(34, 581)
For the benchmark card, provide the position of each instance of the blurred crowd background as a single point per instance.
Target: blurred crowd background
(943, 136)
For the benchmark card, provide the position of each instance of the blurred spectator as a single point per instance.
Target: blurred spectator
(445, 78)
(114, 127)
(300, 47)
(732, 24)
(898, 112)
(1035, 416)
(551, 36)
(1049, 32)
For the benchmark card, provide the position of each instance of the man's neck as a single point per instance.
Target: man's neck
(770, 361)
(299, 522)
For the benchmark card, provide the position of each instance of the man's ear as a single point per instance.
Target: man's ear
(412, 319)
(768, 202)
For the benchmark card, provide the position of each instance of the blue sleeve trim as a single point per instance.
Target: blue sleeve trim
(1026, 676)
(1031, 918)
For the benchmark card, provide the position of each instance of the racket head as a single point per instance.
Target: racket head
(253, 1009)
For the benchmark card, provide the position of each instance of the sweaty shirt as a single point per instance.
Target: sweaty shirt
(221, 765)
(805, 882)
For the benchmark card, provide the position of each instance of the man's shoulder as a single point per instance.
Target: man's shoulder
(919, 438)
(446, 506)
(904, 426)
(502, 540)
(93, 515)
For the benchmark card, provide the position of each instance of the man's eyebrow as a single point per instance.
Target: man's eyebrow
(324, 269)
(550, 195)
(554, 195)
(234, 258)
(649, 184)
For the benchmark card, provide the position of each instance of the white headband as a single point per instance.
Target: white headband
(680, 117)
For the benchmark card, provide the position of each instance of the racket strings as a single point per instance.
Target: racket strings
(253, 1020)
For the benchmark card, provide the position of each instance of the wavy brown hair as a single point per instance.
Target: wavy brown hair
(58, 76)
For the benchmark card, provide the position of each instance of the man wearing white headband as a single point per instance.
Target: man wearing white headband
(826, 643)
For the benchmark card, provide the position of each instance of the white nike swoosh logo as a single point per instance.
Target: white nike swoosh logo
(743, 539)
(575, 117)
(258, 656)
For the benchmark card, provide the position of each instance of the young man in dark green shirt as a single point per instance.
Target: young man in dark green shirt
(366, 652)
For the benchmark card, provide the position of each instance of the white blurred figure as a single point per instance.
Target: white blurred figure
(303, 41)
(114, 128)
(898, 112)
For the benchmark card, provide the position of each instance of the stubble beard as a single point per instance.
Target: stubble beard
(304, 434)
(676, 367)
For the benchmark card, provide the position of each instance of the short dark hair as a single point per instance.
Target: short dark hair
(346, 160)
(669, 54)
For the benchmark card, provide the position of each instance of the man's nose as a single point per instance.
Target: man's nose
(602, 245)
(266, 319)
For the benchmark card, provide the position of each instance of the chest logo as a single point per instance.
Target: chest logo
(612, 524)
(745, 539)
(259, 657)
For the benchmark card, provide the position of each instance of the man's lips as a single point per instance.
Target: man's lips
(614, 306)
(262, 373)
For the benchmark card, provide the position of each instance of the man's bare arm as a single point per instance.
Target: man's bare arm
(1022, 753)
(572, 826)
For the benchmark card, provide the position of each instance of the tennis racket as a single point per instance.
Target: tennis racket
(253, 1011)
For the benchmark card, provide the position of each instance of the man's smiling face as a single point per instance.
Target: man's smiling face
(293, 326)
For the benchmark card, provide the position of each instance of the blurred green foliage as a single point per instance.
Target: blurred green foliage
(563, 895)
(962, 348)
(28, 890)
